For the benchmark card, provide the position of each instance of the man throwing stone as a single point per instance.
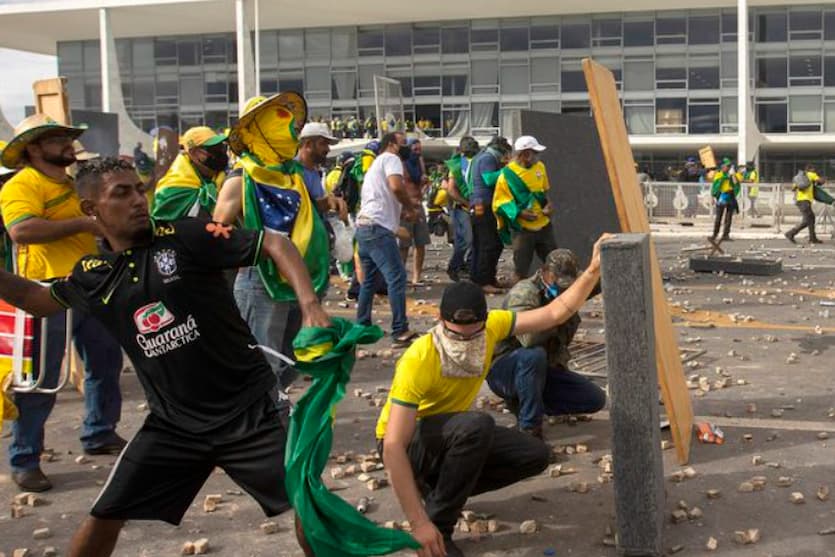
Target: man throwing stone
(434, 448)
(161, 292)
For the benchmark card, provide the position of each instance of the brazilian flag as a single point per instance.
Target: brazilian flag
(456, 170)
(510, 198)
(183, 191)
(332, 526)
(276, 200)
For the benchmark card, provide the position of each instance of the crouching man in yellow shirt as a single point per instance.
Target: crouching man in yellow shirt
(434, 448)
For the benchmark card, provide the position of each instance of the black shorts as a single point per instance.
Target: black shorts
(162, 469)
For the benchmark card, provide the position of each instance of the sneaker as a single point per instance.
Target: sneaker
(790, 237)
(32, 480)
(113, 446)
(404, 339)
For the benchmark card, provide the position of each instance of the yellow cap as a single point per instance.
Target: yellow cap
(201, 136)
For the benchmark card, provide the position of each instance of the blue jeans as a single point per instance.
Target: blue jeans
(523, 378)
(273, 324)
(462, 241)
(102, 357)
(379, 253)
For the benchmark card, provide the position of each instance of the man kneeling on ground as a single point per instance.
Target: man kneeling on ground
(433, 447)
(530, 371)
(211, 393)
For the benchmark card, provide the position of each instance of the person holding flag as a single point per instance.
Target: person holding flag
(522, 208)
(191, 185)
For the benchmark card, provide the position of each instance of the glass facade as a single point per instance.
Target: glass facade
(677, 71)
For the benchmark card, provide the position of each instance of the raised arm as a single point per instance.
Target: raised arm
(290, 264)
(566, 304)
(31, 297)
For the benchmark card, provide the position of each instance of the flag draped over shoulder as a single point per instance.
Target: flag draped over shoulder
(510, 198)
(455, 167)
(333, 527)
(183, 191)
(276, 200)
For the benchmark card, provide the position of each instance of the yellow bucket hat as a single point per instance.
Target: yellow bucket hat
(289, 100)
(29, 130)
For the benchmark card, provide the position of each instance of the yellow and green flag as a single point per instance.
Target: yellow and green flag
(183, 191)
(512, 196)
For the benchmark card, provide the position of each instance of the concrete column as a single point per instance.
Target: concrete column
(257, 39)
(633, 391)
(246, 75)
(105, 36)
(743, 80)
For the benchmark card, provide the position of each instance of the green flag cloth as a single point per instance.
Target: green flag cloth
(333, 527)
(183, 191)
(455, 169)
(509, 201)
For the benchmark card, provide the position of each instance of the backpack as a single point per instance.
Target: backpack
(801, 180)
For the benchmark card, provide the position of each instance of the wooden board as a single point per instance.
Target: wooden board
(707, 157)
(51, 99)
(620, 165)
(580, 192)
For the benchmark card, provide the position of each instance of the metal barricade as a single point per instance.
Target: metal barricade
(26, 380)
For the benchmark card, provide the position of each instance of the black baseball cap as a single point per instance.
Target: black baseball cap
(463, 303)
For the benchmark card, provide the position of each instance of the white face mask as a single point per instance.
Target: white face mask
(460, 358)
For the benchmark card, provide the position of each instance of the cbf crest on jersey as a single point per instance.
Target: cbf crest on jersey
(166, 260)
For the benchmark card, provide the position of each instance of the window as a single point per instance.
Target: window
(291, 80)
(484, 40)
(92, 96)
(703, 117)
(92, 57)
(290, 45)
(606, 32)
(454, 85)
(729, 27)
(670, 115)
(268, 41)
(366, 79)
(426, 40)
(545, 106)
(670, 30)
(167, 92)
(771, 72)
(485, 77)
(575, 35)
(217, 119)
(703, 29)
(829, 117)
(188, 52)
(771, 28)
(638, 75)
(269, 85)
(829, 71)
(343, 43)
(571, 78)
(545, 77)
(70, 58)
(143, 93)
(805, 25)
(484, 117)
(805, 69)
(729, 112)
(214, 50)
(772, 115)
(165, 52)
(427, 80)
(317, 44)
(805, 113)
(671, 72)
(398, 40)
(191, 90)
(515, 80)
(317, 83)
(344, 84)
(455, 40)
(545, 36)
(638, 33)
(216, 88)
(703, 72)
(143, 53)
(640, 117)
(370, 42)
(829, 26)
(514, 39)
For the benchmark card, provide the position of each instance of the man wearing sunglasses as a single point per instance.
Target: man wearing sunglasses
(436, 451)
(43, 216)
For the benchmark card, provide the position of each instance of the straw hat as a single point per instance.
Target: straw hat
(290, 100)
(29, 130)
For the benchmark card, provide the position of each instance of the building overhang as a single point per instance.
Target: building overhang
(36, 26)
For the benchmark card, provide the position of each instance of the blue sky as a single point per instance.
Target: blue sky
(20, 69)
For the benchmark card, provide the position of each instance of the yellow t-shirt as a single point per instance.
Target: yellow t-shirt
(419, 383)
(536, 178)
(332, 179)
(809, 193)
(31, 194)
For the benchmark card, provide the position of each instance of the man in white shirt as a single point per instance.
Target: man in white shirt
(384, 198)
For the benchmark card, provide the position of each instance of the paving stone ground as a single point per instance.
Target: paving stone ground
(786, 307)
